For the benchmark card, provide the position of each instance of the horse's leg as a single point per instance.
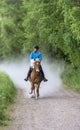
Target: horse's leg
(34, 91)
(32, 88)
(37, 91)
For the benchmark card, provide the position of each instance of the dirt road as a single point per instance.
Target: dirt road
(58, 112)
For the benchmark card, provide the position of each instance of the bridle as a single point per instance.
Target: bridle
(37, 66)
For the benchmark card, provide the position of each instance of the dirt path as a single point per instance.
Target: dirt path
(58, 112)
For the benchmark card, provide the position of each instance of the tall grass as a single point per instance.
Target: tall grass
(71, 78)
(7, 94)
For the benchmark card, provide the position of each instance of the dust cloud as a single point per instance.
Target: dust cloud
(18, 71)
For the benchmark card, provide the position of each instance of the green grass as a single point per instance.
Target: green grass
(71, 78)
(7, 95)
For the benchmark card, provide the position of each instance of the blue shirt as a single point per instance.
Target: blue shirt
(35, 55)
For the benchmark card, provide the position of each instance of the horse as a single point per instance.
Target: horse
(35, 78)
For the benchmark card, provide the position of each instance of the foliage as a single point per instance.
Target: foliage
(71, 77)
(53, 25)
(11, 30)
(7, 94)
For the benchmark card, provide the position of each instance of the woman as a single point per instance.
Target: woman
(34, 56)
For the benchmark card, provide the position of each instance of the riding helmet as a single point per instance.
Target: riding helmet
(36, 47)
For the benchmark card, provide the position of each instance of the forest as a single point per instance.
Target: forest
(54, 25)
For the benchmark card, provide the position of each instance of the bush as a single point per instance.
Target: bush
(71, 77)
(7, 94)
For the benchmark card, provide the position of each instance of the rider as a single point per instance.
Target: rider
(34, 56)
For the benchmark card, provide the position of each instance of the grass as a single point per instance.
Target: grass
(7, 95)
(71, 78)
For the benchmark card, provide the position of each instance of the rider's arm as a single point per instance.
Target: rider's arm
(32, 59)
(40, 57)
(31, 56)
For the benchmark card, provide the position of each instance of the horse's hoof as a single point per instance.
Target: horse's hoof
(37, 97)
(29, 95)
(32, 96)
(30, 92)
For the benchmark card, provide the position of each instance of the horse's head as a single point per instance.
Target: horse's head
(37, 66)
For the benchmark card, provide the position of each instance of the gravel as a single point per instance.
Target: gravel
(59, 111)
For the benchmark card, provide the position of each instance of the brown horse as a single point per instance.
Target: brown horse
(36, 78)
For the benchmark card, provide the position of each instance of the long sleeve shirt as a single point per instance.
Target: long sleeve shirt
(36, 55)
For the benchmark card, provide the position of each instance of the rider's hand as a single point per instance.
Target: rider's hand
(37, 59)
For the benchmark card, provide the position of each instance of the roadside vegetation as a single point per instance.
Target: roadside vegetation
(7, 96)
(71, 78)
(52, 24)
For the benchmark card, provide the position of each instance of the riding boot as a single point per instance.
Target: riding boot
(28, 75)
(41, 70)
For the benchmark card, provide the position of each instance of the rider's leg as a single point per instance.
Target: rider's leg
(28, 74)
(41, 70)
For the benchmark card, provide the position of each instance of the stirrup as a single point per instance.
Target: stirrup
(26, 79)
